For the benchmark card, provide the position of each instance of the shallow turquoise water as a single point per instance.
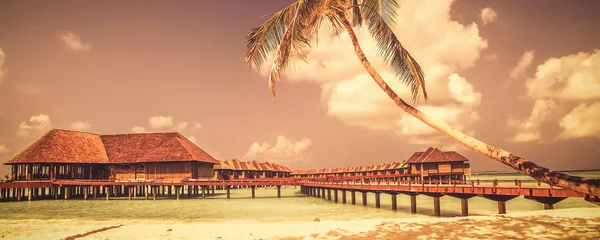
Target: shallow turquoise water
(293, 206)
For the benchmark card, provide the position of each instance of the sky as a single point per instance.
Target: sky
(520, 75)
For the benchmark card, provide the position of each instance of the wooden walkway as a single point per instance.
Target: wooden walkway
(545, 195)
(318, 187)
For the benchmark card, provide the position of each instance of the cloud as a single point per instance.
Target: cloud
(443, 47)
(80, 126)
(524, 62)
(28, 89)
(285, 152)
(2, 71)
(574, 77)
(160, 121)
(74, 42)
(530, 129)
(197, 126)
(4, 149)
(583, 121)
(181, 126)
(138, 129)
(572, 80)
(488, 15)
(36, 126)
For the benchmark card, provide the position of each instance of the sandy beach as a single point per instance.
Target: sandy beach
(578, 223)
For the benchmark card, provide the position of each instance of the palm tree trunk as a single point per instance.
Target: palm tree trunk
(579, 184)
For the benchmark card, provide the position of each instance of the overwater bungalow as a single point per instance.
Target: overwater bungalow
(237, 169)
(64, 154)
(436, 166)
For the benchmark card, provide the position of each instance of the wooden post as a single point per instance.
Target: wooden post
(413, 204)
(129, 192)
(19, 194)
(329, 194)
(548, 206)
(501, 207)
(335, 195)
(253, 192)
(364, 198)
(169, 189)
(464, 206)
(228, 190)
(436, 206)
(55, 189)
(189, 191)
(278, 191)
(323, 193)
(377, 200)
(203, 189)
(353, 197)
(154, 192)
(94, 191)
(67, 191)
(107, 192)
(177, 192)
(213, 190)
(344, 196)
(394, 201)
(85, 193)
(30, 194)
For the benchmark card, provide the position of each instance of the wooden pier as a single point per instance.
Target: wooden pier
(322, 188)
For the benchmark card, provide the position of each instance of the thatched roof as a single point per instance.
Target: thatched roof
(59, 146)
(434, 155)
(64, 146)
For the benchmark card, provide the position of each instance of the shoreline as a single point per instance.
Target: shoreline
(559, 224)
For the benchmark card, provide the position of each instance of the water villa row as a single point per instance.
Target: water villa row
(431, 166)
(69, 164)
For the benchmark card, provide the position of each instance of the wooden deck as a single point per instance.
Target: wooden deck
(318, 187)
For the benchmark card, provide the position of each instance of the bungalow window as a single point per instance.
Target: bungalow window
(125, 166)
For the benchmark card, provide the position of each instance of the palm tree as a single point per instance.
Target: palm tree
(289, 32)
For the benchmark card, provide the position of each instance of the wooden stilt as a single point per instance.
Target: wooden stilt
(203, 189)
(344, 196)
(177, 192)
(394, 201)
(129, 190)
(67, 191)
(335, 195)
(464, 206)
(413, 204)
(501, 207)
(377, 200)
(253, 192)
(30, 194)
(146, 191)
(228, 190)
(436, 206)
(154, 193)
(107, 192)
(353, 197)
(85, 193)
(364, 198)
(329, 194)
(95, 191)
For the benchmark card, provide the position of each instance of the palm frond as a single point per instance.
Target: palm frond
(265, 38)
(379, 15)
(326, 15)
(294, 42)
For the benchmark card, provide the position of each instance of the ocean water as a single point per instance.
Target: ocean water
(266, 207)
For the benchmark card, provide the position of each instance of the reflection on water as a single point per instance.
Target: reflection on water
(293, 206)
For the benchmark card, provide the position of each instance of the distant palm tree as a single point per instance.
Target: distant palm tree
(289, 32)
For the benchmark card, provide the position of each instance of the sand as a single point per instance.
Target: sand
(577, 223)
